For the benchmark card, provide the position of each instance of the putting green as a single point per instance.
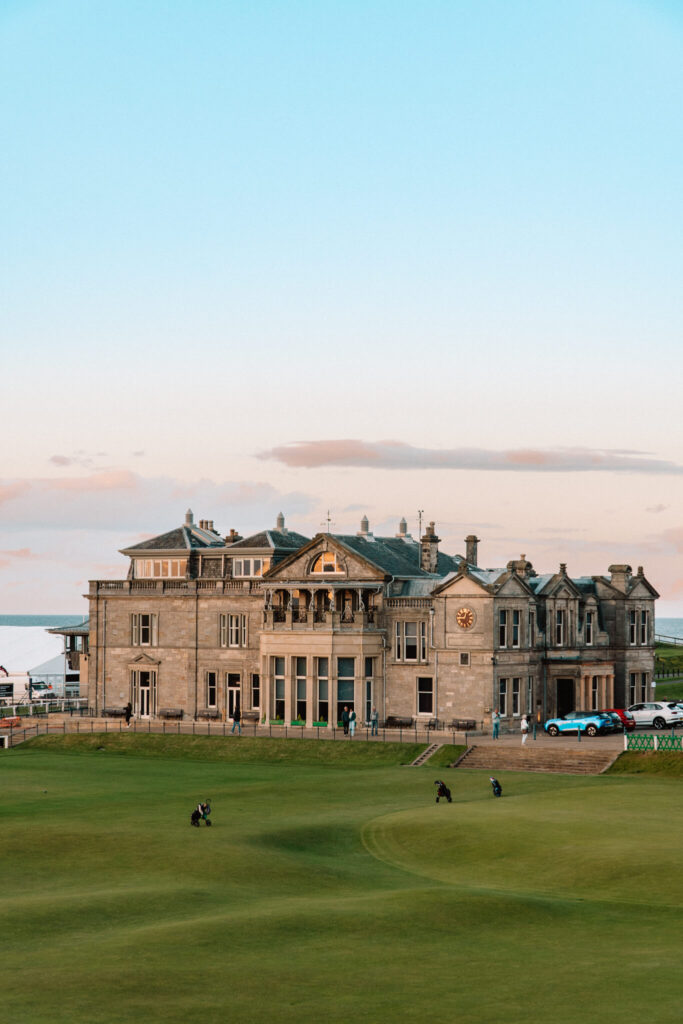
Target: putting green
(544, 844)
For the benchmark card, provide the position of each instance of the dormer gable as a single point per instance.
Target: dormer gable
(512, 585)
(325, 557)
(459, 583)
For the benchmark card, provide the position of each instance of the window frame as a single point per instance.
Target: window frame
(425, 694)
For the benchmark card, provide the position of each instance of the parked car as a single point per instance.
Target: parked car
(628, 722)
(593, 723)
(660, 714)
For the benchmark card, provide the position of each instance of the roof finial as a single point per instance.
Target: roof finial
(189, 518)
(280, 522)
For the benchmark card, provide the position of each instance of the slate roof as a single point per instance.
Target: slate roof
(82, 629)
(396, 556)
(276, 540)
(184, 538)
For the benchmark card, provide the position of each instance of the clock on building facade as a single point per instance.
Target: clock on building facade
(465, 618)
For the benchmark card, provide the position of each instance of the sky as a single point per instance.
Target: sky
(373, 257)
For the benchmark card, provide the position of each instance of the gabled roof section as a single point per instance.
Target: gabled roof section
(514, 583)
(554, 582)
(184, 538)
(466, 572)
(393, 555)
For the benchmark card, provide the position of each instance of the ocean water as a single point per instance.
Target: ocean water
(46, 621)
(669, 627)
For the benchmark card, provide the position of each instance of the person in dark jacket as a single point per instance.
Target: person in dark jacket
(442, 792)
(128, 711)
(345, 720)
(237, 720)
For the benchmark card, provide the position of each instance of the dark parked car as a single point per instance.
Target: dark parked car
(626, 719)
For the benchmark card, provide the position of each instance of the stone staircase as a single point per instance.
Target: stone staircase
(425, 755)
(534, 759)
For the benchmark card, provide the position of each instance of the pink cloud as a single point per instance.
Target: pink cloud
(399, 455)
(9, 492)
(20, 553)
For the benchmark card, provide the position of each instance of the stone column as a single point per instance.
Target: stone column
(290, 683)
(310, 690)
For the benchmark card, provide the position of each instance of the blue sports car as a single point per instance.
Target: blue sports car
(593, 723)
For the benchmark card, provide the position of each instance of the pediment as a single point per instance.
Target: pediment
(144, 659)
(299, 567)
(461, 585)
(643, 590)
(560, 588)
(514, 587)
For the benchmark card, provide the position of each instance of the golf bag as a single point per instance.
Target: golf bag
(496, 786)
(201, 813)
(442, 791)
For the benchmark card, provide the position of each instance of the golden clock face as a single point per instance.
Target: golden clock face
(465, 618)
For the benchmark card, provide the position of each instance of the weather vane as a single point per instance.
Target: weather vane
(420, 513)
(327, 522)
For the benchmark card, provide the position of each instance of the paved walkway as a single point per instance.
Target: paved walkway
(66, 724)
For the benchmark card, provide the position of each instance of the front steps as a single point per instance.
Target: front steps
(425, 755)
(538, 759)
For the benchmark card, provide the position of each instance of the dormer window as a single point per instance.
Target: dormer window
(326, 563)
(250, 567)
(160, 568)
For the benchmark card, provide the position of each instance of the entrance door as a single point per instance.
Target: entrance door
(233, 685)
(565, 696)
(146, 695)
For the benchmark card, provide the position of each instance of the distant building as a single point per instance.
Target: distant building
(73, 661)
(294, 629)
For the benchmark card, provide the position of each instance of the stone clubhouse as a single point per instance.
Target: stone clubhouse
(291, 629)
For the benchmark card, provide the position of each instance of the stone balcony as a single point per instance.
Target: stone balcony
(357, 621)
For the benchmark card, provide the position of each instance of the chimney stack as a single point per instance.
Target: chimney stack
(402, 529)
(620, 576)
(364, 527)
(280, 523)
(471, 549)
(189, 518)
(430, 549)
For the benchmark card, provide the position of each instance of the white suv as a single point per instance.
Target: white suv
(660, 714)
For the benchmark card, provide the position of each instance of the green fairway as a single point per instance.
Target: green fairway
(330, 890)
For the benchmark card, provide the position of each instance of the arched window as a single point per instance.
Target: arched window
(326, 563)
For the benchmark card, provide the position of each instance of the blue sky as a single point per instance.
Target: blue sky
(232, 227)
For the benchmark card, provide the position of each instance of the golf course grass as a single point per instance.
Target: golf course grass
(330, 890)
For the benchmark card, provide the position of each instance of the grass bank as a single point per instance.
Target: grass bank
(240, 750)
(347, 895)
(666, 763)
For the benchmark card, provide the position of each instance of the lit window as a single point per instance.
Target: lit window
(326, 563)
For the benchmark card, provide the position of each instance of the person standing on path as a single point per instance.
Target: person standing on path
(495, 719)
(345, 720)
(237, 720)
(352, 723)
(525, 729)
(374, 722)
(128, 711)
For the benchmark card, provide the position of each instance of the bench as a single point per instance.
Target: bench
(397, 722)
(113, 712)
(171, 713)
(462, 724)
(208, 713)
